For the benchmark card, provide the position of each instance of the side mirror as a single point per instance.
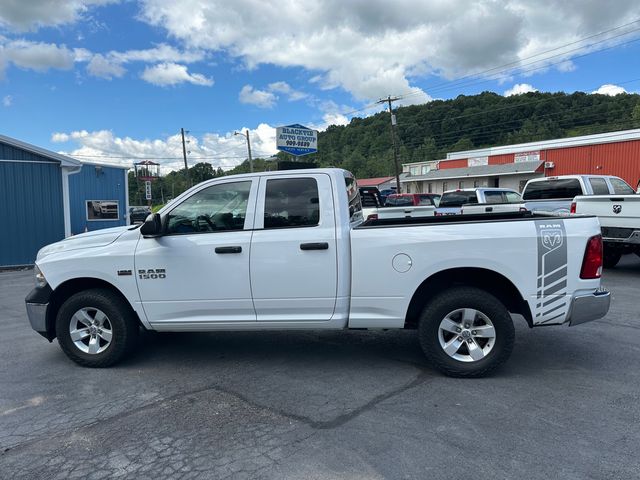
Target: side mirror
(152, 226)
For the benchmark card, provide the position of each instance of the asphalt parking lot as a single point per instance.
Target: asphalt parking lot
(318, 405)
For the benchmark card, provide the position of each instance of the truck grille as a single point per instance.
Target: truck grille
(615, 232)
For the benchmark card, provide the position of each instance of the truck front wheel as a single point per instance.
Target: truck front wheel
(466, 332)
(96, 328)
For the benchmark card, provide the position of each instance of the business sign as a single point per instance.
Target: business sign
(147, 190)
(297, 140)
(526, 157)
(477, 161)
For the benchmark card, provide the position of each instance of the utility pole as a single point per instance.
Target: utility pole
(246, 134)
(184, 155)
(394, 124)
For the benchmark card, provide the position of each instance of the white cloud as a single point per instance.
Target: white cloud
(610, 89)
(58, 137)
(30, 14)
(260, 98)
(100, 66)
(221, 150)
(334, 119)
(520, 88)
(7, 101)
(37, 56)
(286, 89)
(376, 48)
(169, 74)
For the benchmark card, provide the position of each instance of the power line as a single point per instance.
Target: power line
(460, 82)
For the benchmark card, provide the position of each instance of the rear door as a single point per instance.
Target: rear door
(293, 261)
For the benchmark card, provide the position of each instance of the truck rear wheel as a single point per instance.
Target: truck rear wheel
(466, 332)
(96, 328)
(611, 257)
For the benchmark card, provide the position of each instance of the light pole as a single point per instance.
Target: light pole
(246, 134)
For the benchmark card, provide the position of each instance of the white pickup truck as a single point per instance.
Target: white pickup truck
(619, 217)
(289, 250)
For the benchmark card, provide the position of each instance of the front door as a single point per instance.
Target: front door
(198, 271)
(293, 251)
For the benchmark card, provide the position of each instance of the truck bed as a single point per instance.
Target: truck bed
(451, 219)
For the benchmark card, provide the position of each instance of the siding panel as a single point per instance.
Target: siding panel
(88, 184)
(32, 214)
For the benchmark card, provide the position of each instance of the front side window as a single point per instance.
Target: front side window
(620, 187)
(293, 202)
(219, 208)
(512, 197)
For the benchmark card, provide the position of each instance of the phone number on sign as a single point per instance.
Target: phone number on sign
(294, 143)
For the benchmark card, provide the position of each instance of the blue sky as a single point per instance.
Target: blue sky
(113, 80)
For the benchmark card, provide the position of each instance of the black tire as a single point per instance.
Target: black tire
(466, 298)
(611, 257)
(121, 320)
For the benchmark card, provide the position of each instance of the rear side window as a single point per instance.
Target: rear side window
(291, 202)
(552, 189)
(599, 186)
(457, 199)
(621, 187)
(494, 197)
(512, 197)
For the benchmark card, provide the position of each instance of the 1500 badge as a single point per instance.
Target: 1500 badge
(152, 274)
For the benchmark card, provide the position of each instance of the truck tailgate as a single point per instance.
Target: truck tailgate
(617, 211)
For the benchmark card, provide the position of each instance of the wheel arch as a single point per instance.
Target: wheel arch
(70, 287)
(493, 282)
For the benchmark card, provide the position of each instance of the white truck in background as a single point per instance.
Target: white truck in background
(555, 194)
(453, 201)
(619, 217)
(290, 251)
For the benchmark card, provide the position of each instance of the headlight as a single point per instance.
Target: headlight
(40, 280)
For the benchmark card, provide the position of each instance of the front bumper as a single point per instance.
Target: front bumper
(37, 303)
(592, 306)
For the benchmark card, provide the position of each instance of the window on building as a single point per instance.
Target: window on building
(219, 208)
(430, 187)
(413, 170)
(476, 183)
(425, 169)
(460, 185)
(293, 202)
(599, 186)
(444, 186)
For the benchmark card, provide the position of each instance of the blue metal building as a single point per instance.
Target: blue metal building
(35, 199)
(90, 189)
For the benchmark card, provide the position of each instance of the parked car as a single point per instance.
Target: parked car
(290, 250)
(452, 200)
(415, 199)
(619, 217)
(555, 194)
(386, 192)
(138, 214)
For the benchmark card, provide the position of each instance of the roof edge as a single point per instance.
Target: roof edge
(64, 160)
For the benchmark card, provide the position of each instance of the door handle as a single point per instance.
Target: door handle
(314, 246)
(228, 249)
